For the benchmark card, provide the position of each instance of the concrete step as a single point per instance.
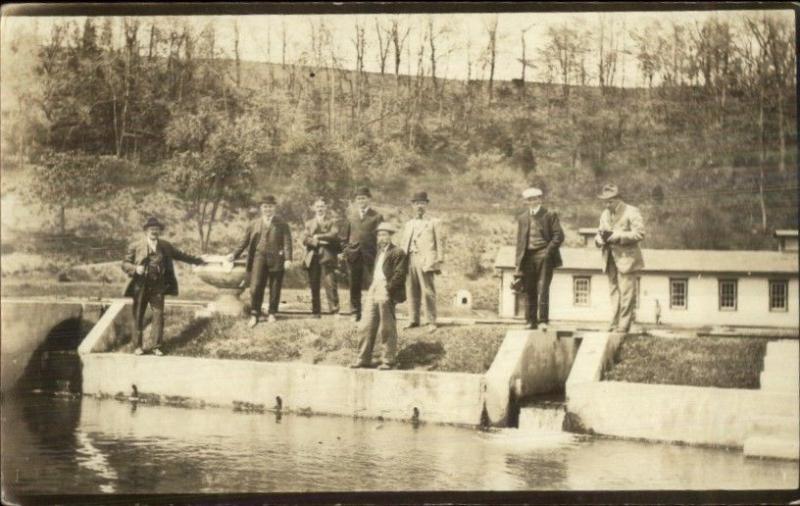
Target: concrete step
(778, 404)
(779, 382)
(782, 427)
(772, 447)
(789, 364)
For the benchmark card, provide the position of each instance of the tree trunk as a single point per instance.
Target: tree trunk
(62, 220)
(781, 135)
(762, 156)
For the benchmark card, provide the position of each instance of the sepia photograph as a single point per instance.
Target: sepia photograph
(399, 252)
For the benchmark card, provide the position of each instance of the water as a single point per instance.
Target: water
(65, 445)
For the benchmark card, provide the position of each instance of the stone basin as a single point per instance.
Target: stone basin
(228, 279)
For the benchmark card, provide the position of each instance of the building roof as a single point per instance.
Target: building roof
(677, 260)
(786, 233)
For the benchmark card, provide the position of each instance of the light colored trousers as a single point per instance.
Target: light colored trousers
(623, 293)
(378, 319)
(419, 286)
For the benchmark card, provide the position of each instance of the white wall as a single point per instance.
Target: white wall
(703, 300)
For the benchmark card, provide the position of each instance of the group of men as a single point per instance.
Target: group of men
(389, 273)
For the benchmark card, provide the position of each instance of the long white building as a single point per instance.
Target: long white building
(687, 287)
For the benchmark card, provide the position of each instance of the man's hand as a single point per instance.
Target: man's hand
(140, 269)
(614, 238)
(315, 241)
(287, 264)
(231, 257)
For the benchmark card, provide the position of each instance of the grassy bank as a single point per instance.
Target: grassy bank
(455, 348)
(701, 362)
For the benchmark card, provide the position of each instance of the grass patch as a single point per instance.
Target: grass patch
(702, 362)
(451, 348)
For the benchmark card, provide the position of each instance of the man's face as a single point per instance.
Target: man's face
(611, 204)
(533, 202)
(419, 207)
(267, 210)
(153, 233)
(320, 208)
(384, 238)
(362, 201)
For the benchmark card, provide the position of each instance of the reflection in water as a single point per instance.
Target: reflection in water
(89, 446)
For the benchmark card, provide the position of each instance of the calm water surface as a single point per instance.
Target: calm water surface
(57, 445)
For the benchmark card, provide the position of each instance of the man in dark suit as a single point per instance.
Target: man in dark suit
(387, 289)
(321, 239)
(360, 246)
(268, 241)
(149, 263)
(539, 235)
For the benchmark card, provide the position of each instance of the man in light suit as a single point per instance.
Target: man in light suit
(149, 263)
(423, 243)
(321, 239)
(539, 236)
(360, 247)
(268, 241)
(619, 233)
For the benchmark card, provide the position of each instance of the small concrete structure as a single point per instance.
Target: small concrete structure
(787, 240)
(529, 362)
(685, 287)
(228, 279)
(26, 324)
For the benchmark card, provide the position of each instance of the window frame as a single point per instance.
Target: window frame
(720, 283)
(770, 284)
(685, 282)
(588, 279)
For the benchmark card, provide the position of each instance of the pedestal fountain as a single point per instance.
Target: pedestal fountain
(229, 280)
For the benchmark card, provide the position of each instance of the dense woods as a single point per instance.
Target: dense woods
(707, 147)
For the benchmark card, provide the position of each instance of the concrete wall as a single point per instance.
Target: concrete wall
(25, 326)
(440, 397)
(703, 300)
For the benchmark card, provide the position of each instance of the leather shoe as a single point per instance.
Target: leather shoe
(530, 326)
(138, 351)
(271, 318)
(431, 327)
(543, 327)
(385, 367)
(411, 325)
(252, 322)
(357, 318)
(357, 365)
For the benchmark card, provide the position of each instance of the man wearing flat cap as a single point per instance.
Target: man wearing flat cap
(150, 265)
(268, 241)
(619, 233)
(539, 236)
(360, 247)
(423, 243)
(387, 289)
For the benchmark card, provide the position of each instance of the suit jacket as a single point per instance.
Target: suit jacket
(327, 232)
(430, 243)
(395, 270)
(628, 225)
(137, 252)
(551, 231)
(360, 235)
(279, 243)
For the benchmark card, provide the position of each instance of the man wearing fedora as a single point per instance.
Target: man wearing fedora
(619, 233)
(423, 243)
(268, 241)
(149, 263)
(539, 236)
(321, 239)
(360, 247)
(386, 290)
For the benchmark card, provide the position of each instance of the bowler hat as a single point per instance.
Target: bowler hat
(386, 227)
(609, 191)
(420, 197)
(153, 222)
(269, 199)
(363, 192)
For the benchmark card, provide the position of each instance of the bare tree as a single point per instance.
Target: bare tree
(491, 52)
(383, 44)
(398, 37)
(236, 54)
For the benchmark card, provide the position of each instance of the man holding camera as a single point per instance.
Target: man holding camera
(619, 233)
(149, 263)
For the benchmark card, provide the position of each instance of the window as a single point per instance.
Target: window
(581, 288)
(727, 294)
(678, 293)
(778, 295)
